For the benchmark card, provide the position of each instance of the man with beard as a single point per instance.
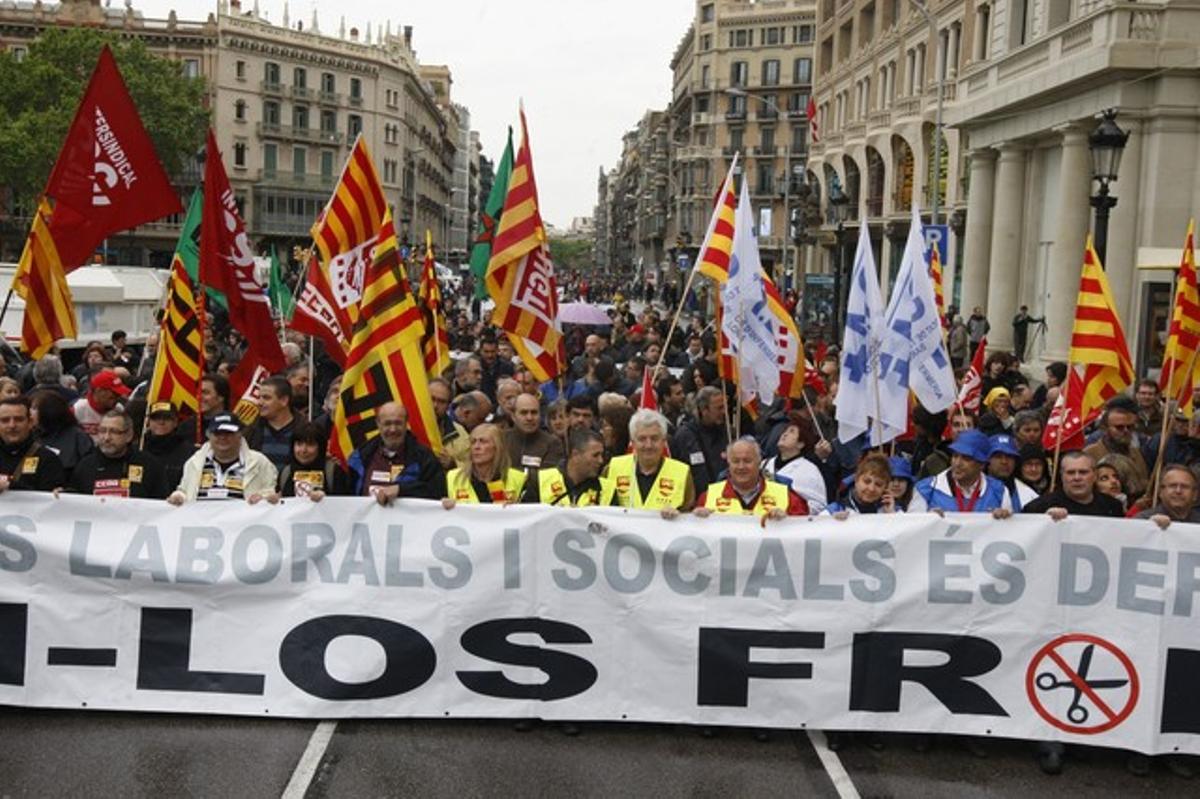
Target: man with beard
(115, 468)
(1118, 424)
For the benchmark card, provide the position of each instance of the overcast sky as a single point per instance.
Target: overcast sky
(587, 70)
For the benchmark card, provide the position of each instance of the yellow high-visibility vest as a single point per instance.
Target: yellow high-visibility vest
(774, 495)
(460, 488)
(669, 489)
(552, 490)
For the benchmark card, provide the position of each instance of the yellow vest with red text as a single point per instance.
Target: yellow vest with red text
(460, 489)
(668, 491)
(552, 490)
(774, 495)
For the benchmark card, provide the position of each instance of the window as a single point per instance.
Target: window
(707, 13)
(271, 112)
(770, 72)
(802, 70)
(239, 155)
(766, 173)
(191, 67)
(353, 125)
(804, 34)
(735, 139)
(270, 159)
(739, 73)
(737, 104)
(705, 42)
(705, 76)
(799, 138)
(328, 121)
(328, 83)
(19, 53)
(300, 78)
(299, 160)
(326, 164)
(773, 36)
(983, 18)
(300, 117)
(239, 110)
(702, 104)
(239, 70)
(768, 140)
(355, 88)
(742, 38)
(271, 74)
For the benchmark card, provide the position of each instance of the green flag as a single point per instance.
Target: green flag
(280, 294)
(489, 218)
(188, 248)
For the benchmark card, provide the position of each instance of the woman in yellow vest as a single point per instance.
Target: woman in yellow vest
(648, 478)
(489, 477)
(746, 491)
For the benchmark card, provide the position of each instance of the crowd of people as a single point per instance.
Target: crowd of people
(586, 440)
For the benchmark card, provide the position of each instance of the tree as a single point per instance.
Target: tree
(39, 95)
(571, 254)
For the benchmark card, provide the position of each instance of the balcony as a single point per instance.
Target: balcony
(735, 116)
(855, 130)
(907, 106)
(701, 118)
(277, 179)
(880, 119)
(356, 99)
(329, 137)
(273, 130)
(302, 93)
(271, 87)
(767, 151)
(329, 98)
(729, 152)
(766, 112)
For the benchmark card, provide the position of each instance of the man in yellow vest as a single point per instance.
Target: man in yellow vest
(746, 491)
(580, 484)
(648, 478)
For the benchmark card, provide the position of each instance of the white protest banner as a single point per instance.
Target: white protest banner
(1083, 630)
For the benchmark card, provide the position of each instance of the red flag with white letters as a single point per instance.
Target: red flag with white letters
(1066, 418)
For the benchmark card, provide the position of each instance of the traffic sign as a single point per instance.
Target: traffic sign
(1082, 684)
(938, 235)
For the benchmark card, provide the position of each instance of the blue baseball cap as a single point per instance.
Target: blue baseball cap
(972, 444)
(901, 468)
(1003, 444)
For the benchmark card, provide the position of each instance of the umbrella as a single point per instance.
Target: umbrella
(583, 313)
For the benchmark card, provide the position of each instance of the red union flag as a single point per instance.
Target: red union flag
(319, 314)
(1066, 419)
(970, 394)
(227, 265)
(107, 177)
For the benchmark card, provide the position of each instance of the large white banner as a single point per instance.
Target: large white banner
(1083, 630)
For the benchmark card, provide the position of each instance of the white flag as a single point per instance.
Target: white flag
(857, 398)
(913, 354)
(746, 319)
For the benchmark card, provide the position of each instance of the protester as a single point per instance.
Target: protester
(870, 491)
(1149, 408)
(648, 478)
(57, 429)
(746, 491)
(902, 482)
(471, 409)
(1118, 424)
(580, 483)
(507, 390)
(167, 441)
(701, 442)
(1003, 457)
(1176, 498)
(489, 477)
(25, 464)
(1110, 479)
(272, 433)
(309, 472)
(116, 468)
(964, 488)
(793, 467)
(998, 418)
(225, 467)
(455, 438)
(104, 392)
(1033, 468)
(394, 465)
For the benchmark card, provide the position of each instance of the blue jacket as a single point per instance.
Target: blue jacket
(936, 493)
(422, 478)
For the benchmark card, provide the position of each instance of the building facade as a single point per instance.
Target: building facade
(741, 80)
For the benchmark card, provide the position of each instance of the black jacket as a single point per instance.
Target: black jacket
(146, 475)
(702, 447)
(172, 451)
(32, 467)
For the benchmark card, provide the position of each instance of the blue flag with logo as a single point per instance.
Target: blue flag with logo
(858, 397)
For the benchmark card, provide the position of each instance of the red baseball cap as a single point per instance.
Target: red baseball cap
(110, 381)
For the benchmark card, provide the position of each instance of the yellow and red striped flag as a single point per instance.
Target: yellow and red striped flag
(384, 363)
(177, 368)
(935, 275)
(436, 342)
(789, 343)
(348, 229)
(1097, 339)
(717, 250)
(1183, 337)
(41, 281)
(520, 274)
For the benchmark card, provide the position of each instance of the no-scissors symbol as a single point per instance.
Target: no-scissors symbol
(1082, 684)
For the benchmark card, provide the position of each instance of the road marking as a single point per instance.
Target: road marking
(833, 766)
(306, 769)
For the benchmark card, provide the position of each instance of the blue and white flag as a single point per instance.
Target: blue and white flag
(913, 356)
(746, 320)
(857, 397)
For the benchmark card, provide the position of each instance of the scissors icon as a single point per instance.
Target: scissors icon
(1077, 713)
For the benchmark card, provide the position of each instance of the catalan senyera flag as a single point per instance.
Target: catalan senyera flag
(935, 276)
(435, 344)
(41, 281)
(520, 274)
(790, 345)
(349, 228)
(384, 363)
(177, 368)
(717, 249)
(1183, 337)
(1097, 339)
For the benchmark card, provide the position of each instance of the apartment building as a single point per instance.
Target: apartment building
(741, 80)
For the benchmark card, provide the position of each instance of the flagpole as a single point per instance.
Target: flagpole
(675, 321)
(1162, 438)
(312, 354)
(202, 318)
(1062, 419)
(162, 307)
(812, 414)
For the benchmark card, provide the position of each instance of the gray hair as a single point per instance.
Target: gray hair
(705, 396)
(48, 370)
(461, 366)
(745, 440)
(645, 417)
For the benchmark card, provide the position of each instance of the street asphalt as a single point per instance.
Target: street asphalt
(87, 754)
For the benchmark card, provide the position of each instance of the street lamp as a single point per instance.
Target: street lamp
(787, 168)
(935, 205)
(841, 204)
(1106, 144)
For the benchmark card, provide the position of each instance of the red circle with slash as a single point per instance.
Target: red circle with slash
(1110, 716)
